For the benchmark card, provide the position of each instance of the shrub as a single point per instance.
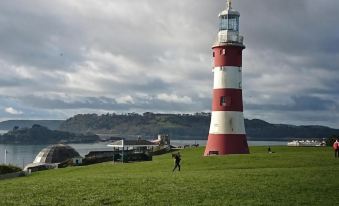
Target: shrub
(5, 169)
(331, 140)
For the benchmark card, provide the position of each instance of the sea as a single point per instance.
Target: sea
(21, 155)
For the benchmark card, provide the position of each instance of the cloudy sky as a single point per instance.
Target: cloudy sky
(60, 58)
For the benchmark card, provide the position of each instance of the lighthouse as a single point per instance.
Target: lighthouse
(227, 133)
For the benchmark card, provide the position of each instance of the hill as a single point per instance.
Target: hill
(290, 176)
(10, 124)
(42, 135)
(260, 130)
(183, 126)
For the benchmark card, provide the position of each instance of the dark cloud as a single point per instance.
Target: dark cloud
(13, 82)
(146, 103)
(58, 58)
(299, 103)
(33, 35)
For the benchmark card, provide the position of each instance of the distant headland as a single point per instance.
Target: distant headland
(147, 125)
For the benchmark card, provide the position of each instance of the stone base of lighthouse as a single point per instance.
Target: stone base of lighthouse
(223, 144)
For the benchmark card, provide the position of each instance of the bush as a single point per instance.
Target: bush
(331, 140)
(5, 169)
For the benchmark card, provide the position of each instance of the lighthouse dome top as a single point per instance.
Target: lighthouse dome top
(229, 19)
(229, 10)
(229, 27)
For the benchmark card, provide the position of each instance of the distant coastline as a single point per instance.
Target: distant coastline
(38, 134)
(178, 126)
(21, 155)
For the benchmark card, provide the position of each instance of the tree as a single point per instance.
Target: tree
(331, 140)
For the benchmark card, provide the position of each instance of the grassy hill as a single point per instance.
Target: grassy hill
(10, 124)
(291, 176)
(42, 135)
(183, 126)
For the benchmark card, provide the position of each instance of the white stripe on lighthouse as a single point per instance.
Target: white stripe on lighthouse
(227, 122)
(227, 77)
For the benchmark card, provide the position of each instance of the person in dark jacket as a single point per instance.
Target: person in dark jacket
(177, 160)
(269, 150)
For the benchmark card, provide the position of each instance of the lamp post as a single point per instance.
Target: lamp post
(5, 160)
(122, 156)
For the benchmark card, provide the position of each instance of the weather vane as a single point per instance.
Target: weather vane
(229, 4)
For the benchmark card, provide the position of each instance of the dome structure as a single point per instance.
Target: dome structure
(56, 154)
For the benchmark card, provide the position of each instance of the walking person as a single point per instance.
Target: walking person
(336, 148)
(269, 150)
(177, 158)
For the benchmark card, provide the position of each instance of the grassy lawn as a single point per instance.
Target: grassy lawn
(290, 176)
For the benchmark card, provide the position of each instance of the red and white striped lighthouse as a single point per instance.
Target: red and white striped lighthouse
(227, 130)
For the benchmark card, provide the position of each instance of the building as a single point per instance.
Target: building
(56, 154)
(307, 143)
(163, 140)
(52, 156)
(227, 129)
(77, 160)
(133, 150)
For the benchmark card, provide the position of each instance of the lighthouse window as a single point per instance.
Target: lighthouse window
(229, 22)
(222, 51)
(224, 101)
(233, 23)
(213, 54)
(223, 23)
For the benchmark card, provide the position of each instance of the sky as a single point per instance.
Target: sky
(61, 58)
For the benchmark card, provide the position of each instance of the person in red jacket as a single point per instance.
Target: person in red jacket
(336, 148)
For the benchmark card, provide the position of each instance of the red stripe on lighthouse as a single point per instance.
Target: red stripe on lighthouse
(227, 100)
(227, 56)
(220, 144)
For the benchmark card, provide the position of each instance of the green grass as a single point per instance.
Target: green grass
(291, 176)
